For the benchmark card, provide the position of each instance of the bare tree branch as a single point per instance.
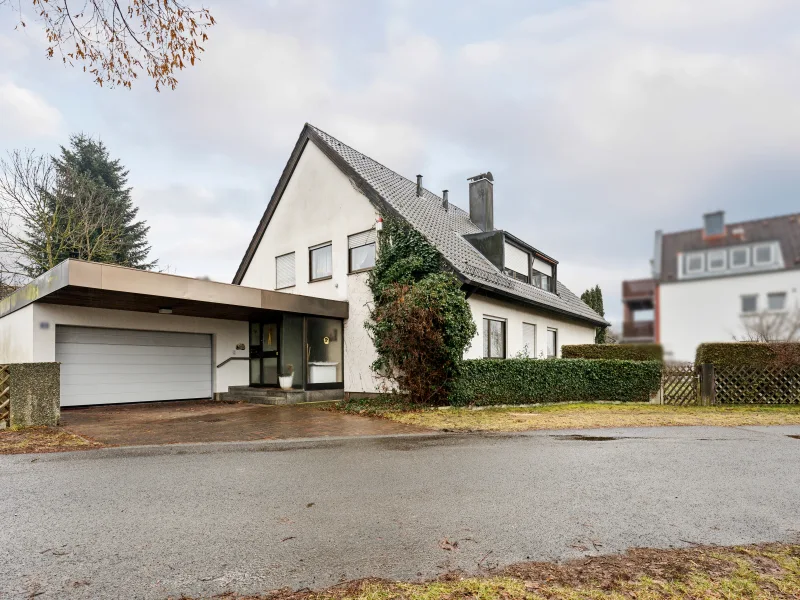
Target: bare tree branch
(116, 41)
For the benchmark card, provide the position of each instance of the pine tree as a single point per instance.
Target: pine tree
(91, 160)
(593, 297)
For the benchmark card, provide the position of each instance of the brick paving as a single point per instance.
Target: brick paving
(209, 421)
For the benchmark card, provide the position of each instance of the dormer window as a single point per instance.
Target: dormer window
(695, 263)
(542, 275)
(740, 258)
(517, 262)
(717, 260)
(762, 255)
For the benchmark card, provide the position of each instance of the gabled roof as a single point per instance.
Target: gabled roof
(395, 194)
(784, 230)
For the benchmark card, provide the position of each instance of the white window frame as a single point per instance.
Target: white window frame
(756, 262)
(777, 310)
(687, 258)
(487, 343)
(712, 254)
(531, 351)
(746, 250)
(749, 312)
(555, 349)
(294, 271)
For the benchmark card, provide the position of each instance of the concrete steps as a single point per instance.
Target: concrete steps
(274, 396)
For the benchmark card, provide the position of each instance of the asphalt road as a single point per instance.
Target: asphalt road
(149, 523)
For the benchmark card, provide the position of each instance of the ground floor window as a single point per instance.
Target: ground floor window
(494, 338)
(529, 340)
(552, 342)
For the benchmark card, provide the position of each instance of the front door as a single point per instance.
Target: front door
(264, 344)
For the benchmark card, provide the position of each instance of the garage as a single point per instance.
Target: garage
(113, 366)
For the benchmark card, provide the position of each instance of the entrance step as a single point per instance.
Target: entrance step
(253, 395)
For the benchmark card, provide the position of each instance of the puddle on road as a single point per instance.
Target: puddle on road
(586, 438)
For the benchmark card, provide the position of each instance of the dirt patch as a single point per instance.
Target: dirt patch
(765, 571)
(585, 438)
(43, 439)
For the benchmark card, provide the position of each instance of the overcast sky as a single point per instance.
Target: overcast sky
(602, 120)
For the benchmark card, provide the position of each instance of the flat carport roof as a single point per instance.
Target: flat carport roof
(96, 285)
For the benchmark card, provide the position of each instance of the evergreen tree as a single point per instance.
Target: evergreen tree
(593, 297)
(91, 162)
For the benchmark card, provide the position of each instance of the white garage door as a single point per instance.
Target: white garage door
(110, 366)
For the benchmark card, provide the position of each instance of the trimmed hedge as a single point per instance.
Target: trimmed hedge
(528, 381)
(752, 354)
(614, 351)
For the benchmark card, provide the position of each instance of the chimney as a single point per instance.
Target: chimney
(445, 200)
(481, 201)
(714, 224)
(419, 186)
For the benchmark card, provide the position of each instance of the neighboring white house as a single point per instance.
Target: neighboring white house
(299, 299)
(718, 284)
(319, 237)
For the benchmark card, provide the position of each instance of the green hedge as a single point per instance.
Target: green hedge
(754, 354)
(528, 381)
(614, 351)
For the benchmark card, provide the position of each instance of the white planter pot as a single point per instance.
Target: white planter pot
(286, 381)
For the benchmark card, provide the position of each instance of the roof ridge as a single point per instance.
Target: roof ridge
(738, 223)
(383, 166)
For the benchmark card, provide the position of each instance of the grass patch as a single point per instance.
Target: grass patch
(577, 416)
(42, 439)
(765, 572)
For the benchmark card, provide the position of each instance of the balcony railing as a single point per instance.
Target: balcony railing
(638, 330)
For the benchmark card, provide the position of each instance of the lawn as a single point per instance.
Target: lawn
(42, 439)
(758, 572)
(579, 416)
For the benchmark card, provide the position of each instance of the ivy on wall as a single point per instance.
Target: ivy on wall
(420, 321)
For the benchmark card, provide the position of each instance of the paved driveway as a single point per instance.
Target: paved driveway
(207, 421)
(148, 523)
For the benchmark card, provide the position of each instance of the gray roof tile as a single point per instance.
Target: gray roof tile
(445, 228)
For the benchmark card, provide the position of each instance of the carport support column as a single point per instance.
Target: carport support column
(708, 385)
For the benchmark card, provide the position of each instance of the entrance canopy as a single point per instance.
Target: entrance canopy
(96, 285)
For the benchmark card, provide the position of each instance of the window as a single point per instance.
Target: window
(517, 276)
(776, 301)
(494, 338)
(716, 260)
(762, 255)
(529, 340)
(361, 250)
(284, 271)
(552, 343)
(695, 263)
(542, 274)
(740, 257)
(715, 224)
(749, 303)
(320, 262)
(542, 281)
(517, 262)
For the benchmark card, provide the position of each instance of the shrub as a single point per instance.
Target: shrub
(753, 354)
(614, 351)
(525, 380)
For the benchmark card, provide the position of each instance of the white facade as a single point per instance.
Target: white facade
(710, 310)
(319, 205)
(515, 316)
(29, 335)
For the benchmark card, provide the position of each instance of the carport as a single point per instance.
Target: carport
(124, 335)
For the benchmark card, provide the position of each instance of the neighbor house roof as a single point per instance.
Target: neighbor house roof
(784, 229)
(393, 193)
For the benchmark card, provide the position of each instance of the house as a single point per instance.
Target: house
(298, 301)
(717, 284)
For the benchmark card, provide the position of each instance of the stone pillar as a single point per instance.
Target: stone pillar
(35, 394)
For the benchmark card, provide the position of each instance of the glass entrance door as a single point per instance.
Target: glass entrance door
(264, 345)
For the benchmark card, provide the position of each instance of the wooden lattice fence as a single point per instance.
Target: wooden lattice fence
(757, 385)
(680, 384)
(5, 396)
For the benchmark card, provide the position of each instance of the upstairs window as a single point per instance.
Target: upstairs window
(717, 260)
(320, 260)
(517, 262)
(361, 250)
(284, 271)
(542, 275)
(749, 303)
(695, 263)
(494, 338)
(776, 301)
(740, 258)
(762, 255)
